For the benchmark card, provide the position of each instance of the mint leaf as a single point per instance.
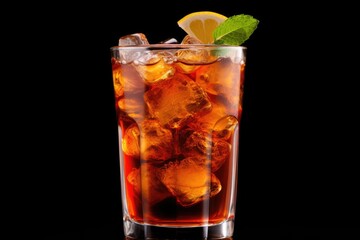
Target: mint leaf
(235, 30)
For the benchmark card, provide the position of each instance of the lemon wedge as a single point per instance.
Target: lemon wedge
(201, 25)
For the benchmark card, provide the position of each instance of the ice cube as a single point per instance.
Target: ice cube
(224, 127)
(131, 87)
(207, 121)
(133, 39)
(190, 180)
(190, 40)
(188, 60)
(147, 185)
(222, 78)
(153, 68)
(156, 142)
(133, 107)
(130, 141)
(116, 74)
(175, 101)
(186, 68)
(128, 80)
(201, 145)
(195, 56)
(148, 141)
(197, 144)
(220, 152)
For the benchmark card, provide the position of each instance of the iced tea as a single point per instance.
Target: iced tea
(178, 108)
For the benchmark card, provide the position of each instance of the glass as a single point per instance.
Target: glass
(178, 109)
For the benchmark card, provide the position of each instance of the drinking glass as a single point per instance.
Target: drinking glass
(178, 110)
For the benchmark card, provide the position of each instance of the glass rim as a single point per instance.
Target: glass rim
(158, 46)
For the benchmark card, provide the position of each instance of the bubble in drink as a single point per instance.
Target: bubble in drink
(190, 180)
(176, 101)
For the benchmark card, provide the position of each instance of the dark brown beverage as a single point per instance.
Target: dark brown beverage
(178, 112)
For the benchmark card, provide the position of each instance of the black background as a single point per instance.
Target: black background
(297, 166)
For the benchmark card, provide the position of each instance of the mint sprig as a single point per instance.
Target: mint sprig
(235, 30)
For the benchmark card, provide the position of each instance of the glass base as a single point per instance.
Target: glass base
(134, 230)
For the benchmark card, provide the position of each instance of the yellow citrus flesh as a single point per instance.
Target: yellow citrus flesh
(201, 25)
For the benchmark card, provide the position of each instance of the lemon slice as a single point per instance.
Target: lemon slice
(201, 25)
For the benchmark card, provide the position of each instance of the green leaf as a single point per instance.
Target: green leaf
(235, 30)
